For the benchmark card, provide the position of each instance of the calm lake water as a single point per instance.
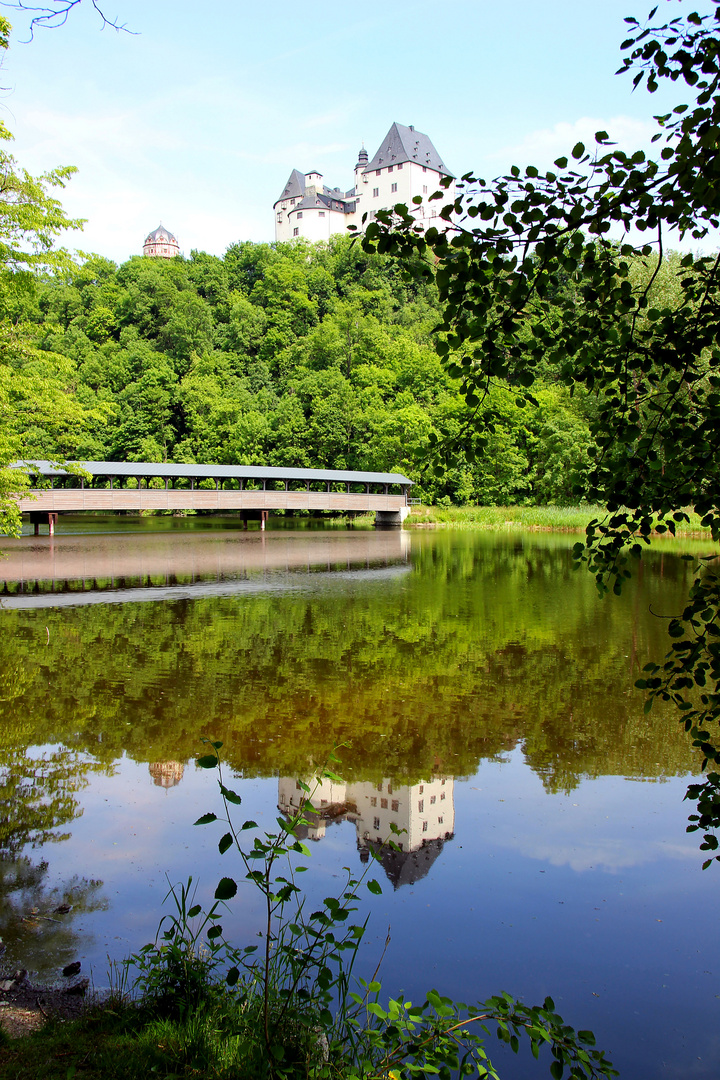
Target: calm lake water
(485, 697)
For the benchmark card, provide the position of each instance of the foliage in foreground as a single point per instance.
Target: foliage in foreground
(292, 1007)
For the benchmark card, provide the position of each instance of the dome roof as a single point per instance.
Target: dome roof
(161, 235)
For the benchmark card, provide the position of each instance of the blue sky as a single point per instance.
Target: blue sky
(197, 119)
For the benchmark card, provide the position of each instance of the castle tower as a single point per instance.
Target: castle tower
(161, 243)
(359, 168)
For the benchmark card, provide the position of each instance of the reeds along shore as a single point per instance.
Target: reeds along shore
(551, 518)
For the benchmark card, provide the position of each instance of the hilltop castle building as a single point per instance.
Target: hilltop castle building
(405, 165)
(161, 243)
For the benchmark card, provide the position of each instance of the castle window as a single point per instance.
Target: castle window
(321, 213)
(279, 217)
(424, 169)
(399, 166)
(432, 800)
(299, 214)
(296, 232)
(376, 823)
(378, 171)
(393, 187)
(421, 806)
(424, 189)
(395, 806)
(441, 820)
(373, 801)
(442, 794)
(389, 789)
(390, 168)
(421, 789)
(424, 826)
(376, 192)
(383, 804)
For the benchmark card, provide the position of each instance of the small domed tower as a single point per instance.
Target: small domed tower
(162, 243)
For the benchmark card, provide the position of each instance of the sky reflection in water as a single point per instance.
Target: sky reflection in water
(561, 865)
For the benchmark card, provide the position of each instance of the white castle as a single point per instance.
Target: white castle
(423, 813)
(406, 165)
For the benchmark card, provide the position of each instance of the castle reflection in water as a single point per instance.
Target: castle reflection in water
(423, 813)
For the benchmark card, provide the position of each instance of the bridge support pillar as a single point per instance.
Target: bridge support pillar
(43, 517)
(264, 515)
(391, 519)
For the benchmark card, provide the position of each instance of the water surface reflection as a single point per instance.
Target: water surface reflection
(479, 668)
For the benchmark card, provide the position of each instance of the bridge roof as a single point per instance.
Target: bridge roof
(168, 470)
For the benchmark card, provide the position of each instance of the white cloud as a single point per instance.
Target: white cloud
(542, 146)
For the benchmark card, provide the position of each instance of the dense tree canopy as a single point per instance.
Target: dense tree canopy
(288, 354)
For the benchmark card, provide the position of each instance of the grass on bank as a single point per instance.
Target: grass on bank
(121, 1041)
(555, 518)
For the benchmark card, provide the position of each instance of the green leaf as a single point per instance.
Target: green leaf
(226, 889)
(195, 910)
(578, 150)
(225, 843)
(214, 932)
(207, 761)
(232, 976)
(231, 796)
(374, 887)
(205, 819)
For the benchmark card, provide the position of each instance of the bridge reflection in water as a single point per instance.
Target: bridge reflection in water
(113, 568)
(107, 486)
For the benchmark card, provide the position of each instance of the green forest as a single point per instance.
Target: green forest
(276, 354)
(289, 354)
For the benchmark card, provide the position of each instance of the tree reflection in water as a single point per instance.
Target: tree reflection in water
(38, 798)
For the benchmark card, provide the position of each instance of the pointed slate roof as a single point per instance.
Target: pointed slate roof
(406, 144)
(295, 187)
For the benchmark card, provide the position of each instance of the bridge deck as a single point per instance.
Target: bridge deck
(68, 500)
